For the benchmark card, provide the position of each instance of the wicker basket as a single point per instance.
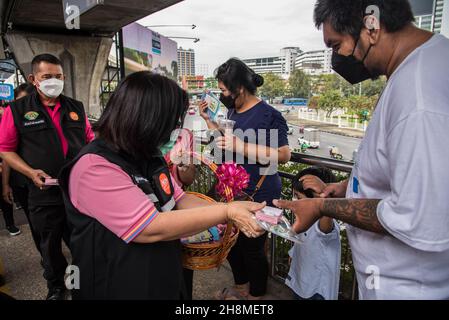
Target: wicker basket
(204, 256)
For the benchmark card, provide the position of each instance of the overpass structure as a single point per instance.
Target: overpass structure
(79, 32)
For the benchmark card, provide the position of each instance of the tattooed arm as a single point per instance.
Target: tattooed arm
(361, 213)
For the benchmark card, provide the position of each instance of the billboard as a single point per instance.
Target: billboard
(422, 7)
(147, 50)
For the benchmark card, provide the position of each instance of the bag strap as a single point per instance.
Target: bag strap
(259, 185)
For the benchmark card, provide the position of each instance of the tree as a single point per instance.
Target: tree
(299, 84)
(273, 86)
(314, 102)
(362, 106)
(373, 87)
(330, 101)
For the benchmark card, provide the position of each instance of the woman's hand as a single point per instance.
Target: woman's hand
(242, 214)
(230, 142)
(203, 105)
(7, 194)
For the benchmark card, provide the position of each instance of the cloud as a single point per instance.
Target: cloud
(240, 28)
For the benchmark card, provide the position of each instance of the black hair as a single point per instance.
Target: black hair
(45, 57)
(346, 16)
(142, 113)
(235, 74)
(324, 174)
(24, 87)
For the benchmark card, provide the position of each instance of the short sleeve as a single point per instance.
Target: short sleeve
(90, 135)
(9, 138)
(103, 191)
(280, 124)
(417, 209)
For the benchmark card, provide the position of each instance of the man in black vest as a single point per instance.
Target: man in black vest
(38, 135)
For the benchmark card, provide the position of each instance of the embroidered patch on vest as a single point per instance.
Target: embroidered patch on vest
(165, 184)
(74, 116)
(32, 115)
(33, 123)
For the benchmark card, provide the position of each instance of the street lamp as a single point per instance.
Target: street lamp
(173, 26)
(195, 40)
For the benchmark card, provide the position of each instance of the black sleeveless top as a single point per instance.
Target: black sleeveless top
(110, 268)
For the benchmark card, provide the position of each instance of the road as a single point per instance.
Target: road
(346, 145)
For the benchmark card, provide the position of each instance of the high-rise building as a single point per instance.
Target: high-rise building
(315, 62)
(291, 58)
(282, 65)
(263, 65)
(432, 15)
(289, 55)
(186, 62)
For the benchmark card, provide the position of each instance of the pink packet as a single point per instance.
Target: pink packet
(51, 182)
(270, 215)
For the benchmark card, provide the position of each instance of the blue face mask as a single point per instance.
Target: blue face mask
(166, 148)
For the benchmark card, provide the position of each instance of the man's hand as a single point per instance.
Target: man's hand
(307, 212)
(335, 190)
(38, 178)
(7, 194)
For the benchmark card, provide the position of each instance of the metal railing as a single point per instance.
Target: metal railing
(277, 248)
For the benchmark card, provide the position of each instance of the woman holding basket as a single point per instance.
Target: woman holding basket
(259, 143)
(127, 214)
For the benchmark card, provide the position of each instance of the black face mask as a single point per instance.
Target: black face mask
(351, 69)
(229, 101)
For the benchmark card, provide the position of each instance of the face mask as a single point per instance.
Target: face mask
(52, 88)
(229, 101)
(351, 69)
(166, 148)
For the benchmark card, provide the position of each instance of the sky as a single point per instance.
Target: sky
(239, 28)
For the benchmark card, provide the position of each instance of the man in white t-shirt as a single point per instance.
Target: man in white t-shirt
(397, 199)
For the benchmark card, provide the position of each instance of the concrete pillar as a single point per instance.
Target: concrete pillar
(84, 60)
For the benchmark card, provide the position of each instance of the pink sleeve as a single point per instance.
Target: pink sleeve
(103, 191)
(90, 135)
(9, 138)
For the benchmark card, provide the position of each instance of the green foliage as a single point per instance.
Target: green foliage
(330, 101)
(362, 106)
(299, 85)
(274, 86)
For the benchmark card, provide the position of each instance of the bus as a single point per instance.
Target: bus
(297, 102)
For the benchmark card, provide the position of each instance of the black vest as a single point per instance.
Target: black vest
(110, 268)
(39, 144)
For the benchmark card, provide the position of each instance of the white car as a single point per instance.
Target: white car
(290, 130)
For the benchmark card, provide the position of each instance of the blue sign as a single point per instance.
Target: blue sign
(6, 91)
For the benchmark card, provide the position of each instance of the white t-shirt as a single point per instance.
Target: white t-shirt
(315, 264)
(404, 161)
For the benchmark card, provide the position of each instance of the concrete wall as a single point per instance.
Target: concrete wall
(84, 61)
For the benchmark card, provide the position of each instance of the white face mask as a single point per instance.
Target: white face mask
(52, 88)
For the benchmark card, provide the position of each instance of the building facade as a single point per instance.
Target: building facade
(315, 62)
(432, 15)
(186, 62)
(263, 65)
(291, 58)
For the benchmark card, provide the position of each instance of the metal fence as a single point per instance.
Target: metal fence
(342, 121)
(277, 248)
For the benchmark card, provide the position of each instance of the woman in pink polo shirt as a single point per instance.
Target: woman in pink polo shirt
(126, 212)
